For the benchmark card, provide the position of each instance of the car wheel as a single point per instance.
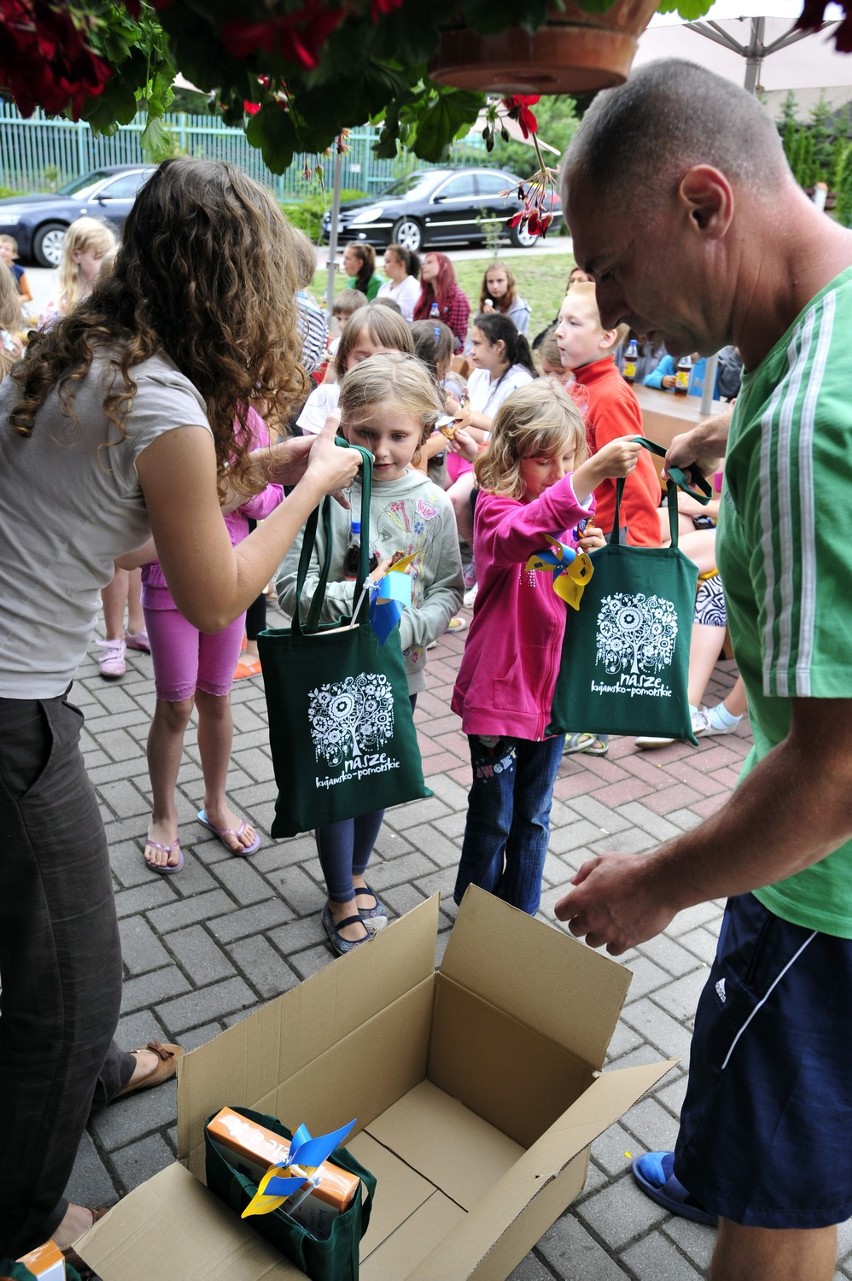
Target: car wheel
(521, 238)
(48, 242)
(408, 233)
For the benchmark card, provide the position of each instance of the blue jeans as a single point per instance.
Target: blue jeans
(508, 818)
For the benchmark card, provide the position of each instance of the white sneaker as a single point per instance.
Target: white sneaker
(712, 726)
(111, 664)
(699, 728)
(470, 596)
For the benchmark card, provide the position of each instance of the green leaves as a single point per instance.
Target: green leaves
(442, 114)
(689, 10)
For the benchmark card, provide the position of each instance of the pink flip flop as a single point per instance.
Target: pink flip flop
(164, 869)
(224, 832)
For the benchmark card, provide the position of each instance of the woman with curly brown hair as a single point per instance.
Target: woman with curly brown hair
(119, 425)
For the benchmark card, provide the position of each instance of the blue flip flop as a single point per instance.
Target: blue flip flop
(654, 1172)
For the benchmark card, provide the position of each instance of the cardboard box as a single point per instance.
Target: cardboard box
(477, 1090)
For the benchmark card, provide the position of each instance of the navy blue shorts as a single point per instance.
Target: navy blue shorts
(766, 1127)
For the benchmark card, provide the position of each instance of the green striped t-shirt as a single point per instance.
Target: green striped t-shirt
(785, 556)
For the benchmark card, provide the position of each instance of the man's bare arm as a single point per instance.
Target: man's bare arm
(792, 810)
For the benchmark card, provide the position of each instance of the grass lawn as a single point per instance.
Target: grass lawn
(539, 278)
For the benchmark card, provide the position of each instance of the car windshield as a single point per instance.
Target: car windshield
(414, 184)
(82, 186)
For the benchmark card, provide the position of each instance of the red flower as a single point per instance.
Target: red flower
(515, 220)
(379, 8)
(44, 59)
(518, 108)
(297, 37)
(251, 108)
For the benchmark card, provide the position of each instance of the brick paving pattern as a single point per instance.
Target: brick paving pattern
(204, 948)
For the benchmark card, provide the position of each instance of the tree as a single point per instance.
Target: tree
(822, 133)
(843, 207)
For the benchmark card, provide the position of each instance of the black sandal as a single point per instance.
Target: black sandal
(338, 942)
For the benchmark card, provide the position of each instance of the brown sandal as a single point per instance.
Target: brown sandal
(72, 1257)
(168, 1056)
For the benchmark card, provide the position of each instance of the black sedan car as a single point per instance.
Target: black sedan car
(437, 207)
(39, 223)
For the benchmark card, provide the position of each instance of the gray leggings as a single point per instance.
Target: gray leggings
(60, 964)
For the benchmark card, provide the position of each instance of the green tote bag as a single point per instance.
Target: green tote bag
(625, 656)
(334, 1259)
(341, 728)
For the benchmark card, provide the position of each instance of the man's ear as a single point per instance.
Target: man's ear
(608, 337)
(706, 193)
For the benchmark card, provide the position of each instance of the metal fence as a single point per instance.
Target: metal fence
(40, 154)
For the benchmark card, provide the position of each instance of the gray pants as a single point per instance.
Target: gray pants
(60, 964)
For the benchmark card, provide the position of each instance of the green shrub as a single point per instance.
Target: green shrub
(307, 214)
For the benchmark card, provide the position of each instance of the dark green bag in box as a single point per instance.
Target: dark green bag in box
(625, 656)
(341, 728)
(336, 1258)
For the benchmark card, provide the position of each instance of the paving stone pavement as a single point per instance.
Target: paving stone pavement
(206, 947)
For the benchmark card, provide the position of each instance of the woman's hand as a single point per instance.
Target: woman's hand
(333, 466)
(669, 380)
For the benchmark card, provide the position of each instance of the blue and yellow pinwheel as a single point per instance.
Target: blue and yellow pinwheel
(389, 597)
(571, 569)
(297, 1170)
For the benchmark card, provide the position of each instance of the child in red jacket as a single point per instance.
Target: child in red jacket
(613, 411)
(533, 482)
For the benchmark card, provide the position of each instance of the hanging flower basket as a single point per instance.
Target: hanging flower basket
(574, 52)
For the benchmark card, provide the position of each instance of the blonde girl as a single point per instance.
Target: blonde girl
(535, 480)
(87, 246)
(389, 404)
(11, 347)
(369, 331)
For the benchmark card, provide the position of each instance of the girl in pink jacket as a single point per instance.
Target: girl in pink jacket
(195, 669)
(534, 480)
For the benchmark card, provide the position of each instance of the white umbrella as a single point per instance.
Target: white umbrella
(752, 42)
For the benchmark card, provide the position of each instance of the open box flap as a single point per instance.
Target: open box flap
(462, 1251)
(172, 1226)
(494, 949)
(248, 1061)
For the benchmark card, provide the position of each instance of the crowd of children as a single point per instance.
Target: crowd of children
(471, 474)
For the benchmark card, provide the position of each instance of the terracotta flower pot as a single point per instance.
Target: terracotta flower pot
(574, 52)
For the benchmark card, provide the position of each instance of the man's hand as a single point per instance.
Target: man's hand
(615, 903)
(704, 446)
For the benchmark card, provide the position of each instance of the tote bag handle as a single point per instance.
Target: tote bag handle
(690, 481)
(312, 623)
